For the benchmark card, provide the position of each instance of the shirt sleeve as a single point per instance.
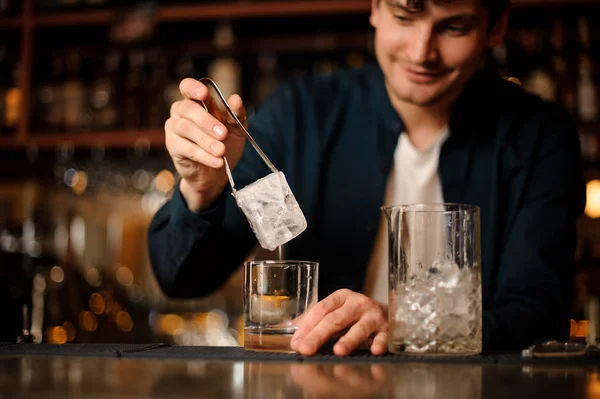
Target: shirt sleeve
(534, 283)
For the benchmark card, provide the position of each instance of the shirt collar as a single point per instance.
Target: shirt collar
(381, 100)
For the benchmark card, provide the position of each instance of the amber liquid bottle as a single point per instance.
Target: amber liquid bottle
(12, 102)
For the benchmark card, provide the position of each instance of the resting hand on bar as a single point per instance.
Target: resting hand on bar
(364, 318)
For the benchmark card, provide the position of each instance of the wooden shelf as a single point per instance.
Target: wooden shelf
(262, 9)
(287, 44)
(119, 138)
(74, 18)
(210, 11)
(240, 10)
(311, 42)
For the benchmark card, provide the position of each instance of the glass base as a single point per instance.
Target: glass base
(400, 349)
(261, 342)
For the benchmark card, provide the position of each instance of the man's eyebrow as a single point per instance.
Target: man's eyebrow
(397, 4)
(465, 18)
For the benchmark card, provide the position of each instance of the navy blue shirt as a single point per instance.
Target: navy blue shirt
(512, 154)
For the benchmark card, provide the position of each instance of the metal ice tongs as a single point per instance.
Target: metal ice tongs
(241, 125)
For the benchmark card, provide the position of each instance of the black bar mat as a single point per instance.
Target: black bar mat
(505, 358)
(166, 351)
(366, 356)
(213, 353)
(98, 350)
(241, 354)
(590, 359)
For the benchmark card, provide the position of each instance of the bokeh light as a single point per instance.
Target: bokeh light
(70, 329)
(57, 274)
(593, 387)
(164, 181)
(170, 323)
(592, 205)
(124, 321)
(80, 184)
(124, 276)
(70, 177)
(97, 304)
(92, 276)
(55, 335)
(88, 321)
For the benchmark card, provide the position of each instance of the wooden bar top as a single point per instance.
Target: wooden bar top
(97, 376)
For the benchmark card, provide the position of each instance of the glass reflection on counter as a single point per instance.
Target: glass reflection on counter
(342, 380)
(277, 379)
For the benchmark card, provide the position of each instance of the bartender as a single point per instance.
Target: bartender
(426, 123)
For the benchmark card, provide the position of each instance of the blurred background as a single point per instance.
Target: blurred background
(85, 88)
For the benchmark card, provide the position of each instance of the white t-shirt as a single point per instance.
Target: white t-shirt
(414, 179)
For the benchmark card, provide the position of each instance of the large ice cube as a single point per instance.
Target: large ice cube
(272, 309)
(271, 210)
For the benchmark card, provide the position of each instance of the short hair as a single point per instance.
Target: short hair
(495, 7)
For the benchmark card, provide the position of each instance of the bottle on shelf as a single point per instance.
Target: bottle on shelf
(540, 82)
(225, 69)
(355, 59)
(43, 98)
(13, 101)
(583, 31)
(3, 86)
(5, 8)
(268, 77)
(52, 95)
(537, 50)
(156, 72)
(104, 93)
(325, 66)
(133, 84)
(183, 67)
(68, 3)
(499, 55)
(3, 130)
(75, 104)
(587, 101)
(565, 87)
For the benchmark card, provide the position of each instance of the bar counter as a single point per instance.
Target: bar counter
(164, 371)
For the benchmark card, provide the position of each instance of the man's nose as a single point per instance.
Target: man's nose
(423, 48)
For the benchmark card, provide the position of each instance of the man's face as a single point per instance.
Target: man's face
(428, 56)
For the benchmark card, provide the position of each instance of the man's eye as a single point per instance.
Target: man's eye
(402, 18)
(456, 29)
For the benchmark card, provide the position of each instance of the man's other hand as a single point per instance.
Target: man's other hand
(364, 319)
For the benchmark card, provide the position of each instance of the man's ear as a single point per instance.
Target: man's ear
(375, 11)
(498, 31)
